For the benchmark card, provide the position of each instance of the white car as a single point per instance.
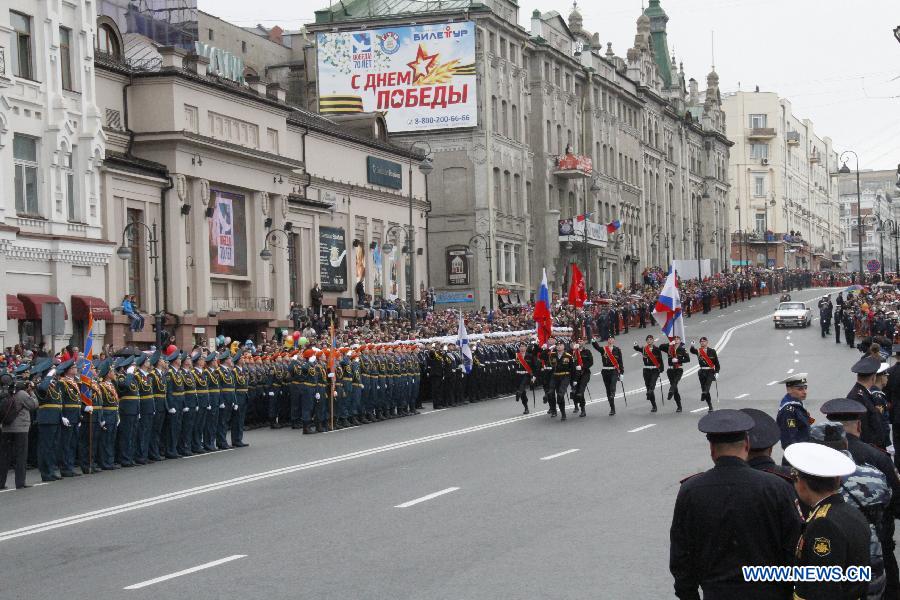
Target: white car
(792, 314)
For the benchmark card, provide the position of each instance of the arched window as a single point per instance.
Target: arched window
(107, 39)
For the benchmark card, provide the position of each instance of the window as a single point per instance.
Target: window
(759, 186)
(568, 81)
(272, 136)
(759, 151)
(495, 122)
(504, 122)
(26, 174)
(503, 48)
(209, 33)
(516, 200)
(547, 71)
(65, 57)
(492, 43)
(107, 41)
(758, 121)
(497, 197)
(137, 252)
(514, 124)
(507, 198)
(557, 77)
(68, 175)
(21, 50)
(244, 47)
(191, 120)
(760, 224)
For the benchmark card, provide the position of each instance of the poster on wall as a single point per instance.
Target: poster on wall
(457, 267)
(422, 77)
(227, 234)
(359, 251)
(378, 274)
(332, 259)
(392, 274)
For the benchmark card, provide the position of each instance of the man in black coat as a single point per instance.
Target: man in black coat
(873, 427)
(581, 375)
(825, 312)
(676, 356)
(612, 371)
(709, 369)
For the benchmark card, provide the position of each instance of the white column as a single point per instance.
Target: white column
(200, 239)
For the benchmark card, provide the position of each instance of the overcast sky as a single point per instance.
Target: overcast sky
(837, 61)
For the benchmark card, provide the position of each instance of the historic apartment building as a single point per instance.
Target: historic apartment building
(784, 201)
(879, 203)
(566, 128)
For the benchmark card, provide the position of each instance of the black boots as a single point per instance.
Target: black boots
(306, 427)
(652, 405)
(677, 406)
(612, 407)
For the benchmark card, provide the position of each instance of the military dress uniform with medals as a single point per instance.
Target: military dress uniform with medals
(241, 398)
(562, 367)
(49, 421)
(174, 408)
(676, 356)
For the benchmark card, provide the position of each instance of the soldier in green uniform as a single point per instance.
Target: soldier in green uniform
(227, 401)
(71, 417)
(214, 384)
(109, 422)
(49, 420)
(158, 370)
(174, 407)
(189, 408)
(201, 389)
(241, 382)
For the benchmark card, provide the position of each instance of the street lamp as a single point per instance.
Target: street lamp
(124, 253)
(479, 237)
(844, 170)
(766, 205)
(425, 167)
(265, 253)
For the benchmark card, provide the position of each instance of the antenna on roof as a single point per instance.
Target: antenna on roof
(713, 38)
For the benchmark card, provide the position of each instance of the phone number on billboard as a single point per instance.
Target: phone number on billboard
(441, 119)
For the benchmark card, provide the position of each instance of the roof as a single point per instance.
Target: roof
(134, 164)
(355, 10)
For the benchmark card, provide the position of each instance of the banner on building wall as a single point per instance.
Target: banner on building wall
(454, 297)
(359, 253)
(457, 266)
(332, 259)
(386, 173)
(393, 285)
(228, 234)
(421, 77)
(378, 274)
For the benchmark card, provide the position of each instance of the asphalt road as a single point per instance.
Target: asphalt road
(466, 503)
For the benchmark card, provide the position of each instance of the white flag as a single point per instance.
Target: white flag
(463, 344)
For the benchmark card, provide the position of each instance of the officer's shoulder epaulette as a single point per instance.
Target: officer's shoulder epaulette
(690, 477)
(779, 474)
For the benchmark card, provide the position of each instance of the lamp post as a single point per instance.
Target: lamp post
(895, 233)
(124, 253)
(479, 237)
(425, 167)
(844, 170)
(766, 205)
(265, 253)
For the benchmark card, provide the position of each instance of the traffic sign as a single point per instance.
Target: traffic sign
(873, 265)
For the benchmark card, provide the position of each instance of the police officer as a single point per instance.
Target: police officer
(730, 516)
(793, 418)
(836, 534)
(709, 369)
(676, 356)
(873, 428)
(562, 367)
(613, 368)
(763, 437)
(651, 356)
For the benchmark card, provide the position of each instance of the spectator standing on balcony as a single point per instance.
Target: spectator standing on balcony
(316, 297)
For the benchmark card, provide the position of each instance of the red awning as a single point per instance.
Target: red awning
(14, 308)
(33, 304)
(82, 304)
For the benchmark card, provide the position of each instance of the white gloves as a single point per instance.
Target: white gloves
(331, 375)
(65, 422)
(209, 408)
(362, 387)
(185, 409)
(533, 379)
(103, 424)
(317, 396)
(118, 420)
(88, 409)
(271, 393)
(130, 369)
(578, 368)
(234, 406)
(171, 411)
(222, 405)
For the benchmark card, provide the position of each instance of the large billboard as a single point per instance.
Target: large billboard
(421, 76)
(227, 234)
(332, 259)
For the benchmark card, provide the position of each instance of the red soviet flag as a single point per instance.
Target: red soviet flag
(577, 293)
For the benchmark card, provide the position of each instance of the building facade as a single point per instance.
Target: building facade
(565, 129)
(52, 246)
(784, 200)
(879, 204)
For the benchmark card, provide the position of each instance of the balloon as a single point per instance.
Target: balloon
(228, 340)
(172, 348)
(620, 285)
(234, 346)
(288, 342)
(303, 341)
(220, 340)
(296, 335)
(284, 332)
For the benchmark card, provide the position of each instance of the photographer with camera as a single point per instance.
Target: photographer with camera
(16, 403)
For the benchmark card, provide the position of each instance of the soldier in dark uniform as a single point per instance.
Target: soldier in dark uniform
(709, 369)
(201, 388)
(849, 326)
(294, 382)
(91, 416)
(71, 417)
(49, 420)
(825, 313)
(524, 375)
(873, 427)
(763, 437)
(189, 409)
(174, 404)
(581, 375)
(653, 367)
(214, 390)
(793, 419)
(562, 367)
(729, 517)
(110, 422)
(676, 356)
(613, 368)
(836, 534)
(546, 378)
(158, 383)
(241, 392)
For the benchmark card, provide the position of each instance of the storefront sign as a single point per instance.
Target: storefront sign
(384, 172)
(227, 234)
(454, 297)
(332, 259)
(422, 77)
(457, 266)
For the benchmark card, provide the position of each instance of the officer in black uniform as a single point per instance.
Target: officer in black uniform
(581, 375)
(731, 516)
(836, 534)
(676, 356)
(653, 367)
(873, 428)
(524, 375)
(763, 437)
(612, 370)
(709, 369)
(562, 367)
(793, 419)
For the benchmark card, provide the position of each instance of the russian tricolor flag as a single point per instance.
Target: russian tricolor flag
(667, 312)
(612, 227)
(542, 317)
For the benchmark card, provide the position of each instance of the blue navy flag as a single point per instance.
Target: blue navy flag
(464, 347)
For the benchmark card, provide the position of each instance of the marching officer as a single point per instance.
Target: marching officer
(562, 367)
(581, 375)
(653, 367)
(793, 419)
(676, 356)
(709, 369)
(613, 368)
(524, 375)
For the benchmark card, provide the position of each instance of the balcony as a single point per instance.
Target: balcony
(242, 304)
(761, 133)
(573, 166)
(792, 138)
(815, 158)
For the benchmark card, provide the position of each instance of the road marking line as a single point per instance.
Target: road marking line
(790, 371)
(42, 483)
(772, 382)
(342, 429)
(208, 565)
(558, 454)
(430, 412)
(741, 396)
(796, 360)
(209, 453)
(796, 352)
(426, 498)
(635, 354)
(704, 320)
(791, 344)
(7, 490)
(642, 428)
(696, 410)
